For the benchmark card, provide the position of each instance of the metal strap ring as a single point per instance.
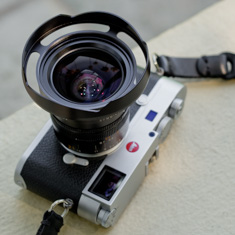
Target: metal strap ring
(67, 204)
(160, 70)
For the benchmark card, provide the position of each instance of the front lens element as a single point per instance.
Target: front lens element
(87, 76)
(87, 87)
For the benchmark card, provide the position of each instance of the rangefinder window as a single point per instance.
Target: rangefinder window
(107, 183)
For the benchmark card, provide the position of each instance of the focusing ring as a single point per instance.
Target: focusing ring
(89, 135)
(95, 142)
(116, 25)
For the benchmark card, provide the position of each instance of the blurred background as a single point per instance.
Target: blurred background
(19, 18)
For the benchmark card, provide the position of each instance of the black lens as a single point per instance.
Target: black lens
(88, 76)
(93, 142)
(87, 81)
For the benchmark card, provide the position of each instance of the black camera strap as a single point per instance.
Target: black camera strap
(52, 222)
(215, 66)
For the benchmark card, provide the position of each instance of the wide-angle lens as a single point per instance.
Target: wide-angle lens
(87, 81)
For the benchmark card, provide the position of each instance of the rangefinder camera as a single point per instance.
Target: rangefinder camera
(108, 116)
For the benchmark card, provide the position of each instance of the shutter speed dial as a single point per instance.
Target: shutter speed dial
(164, 128)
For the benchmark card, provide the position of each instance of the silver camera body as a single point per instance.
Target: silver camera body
(117, 177)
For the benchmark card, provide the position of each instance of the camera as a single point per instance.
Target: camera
(108, 116)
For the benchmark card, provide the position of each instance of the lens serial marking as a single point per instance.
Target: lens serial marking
(132, 147)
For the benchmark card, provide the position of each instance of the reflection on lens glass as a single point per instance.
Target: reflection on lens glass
(87, 77)
(87, 86)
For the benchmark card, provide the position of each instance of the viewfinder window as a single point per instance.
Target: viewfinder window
(107, 183)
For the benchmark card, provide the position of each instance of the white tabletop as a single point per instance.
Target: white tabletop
(191, 188)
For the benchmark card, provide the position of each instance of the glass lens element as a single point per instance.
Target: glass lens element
(89, 76)
(87, 86)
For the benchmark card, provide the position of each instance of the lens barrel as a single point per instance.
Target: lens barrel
(93, 142)
(87, 81)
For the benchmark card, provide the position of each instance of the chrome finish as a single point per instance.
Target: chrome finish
(67, 204)
(164, 128)
(176, 108)
(88, 208)
(86, 155)
(70, 159)
(143, 100)
(106, 218)
(159, 70)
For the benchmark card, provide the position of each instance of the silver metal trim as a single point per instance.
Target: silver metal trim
(71, 159)
(159, 70)
(86, 155)
(88, 209)
(67, 204)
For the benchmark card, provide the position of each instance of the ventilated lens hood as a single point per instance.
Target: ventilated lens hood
(103, 46)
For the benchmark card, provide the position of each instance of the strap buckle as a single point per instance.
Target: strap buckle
(217, 66)
(230, 66)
